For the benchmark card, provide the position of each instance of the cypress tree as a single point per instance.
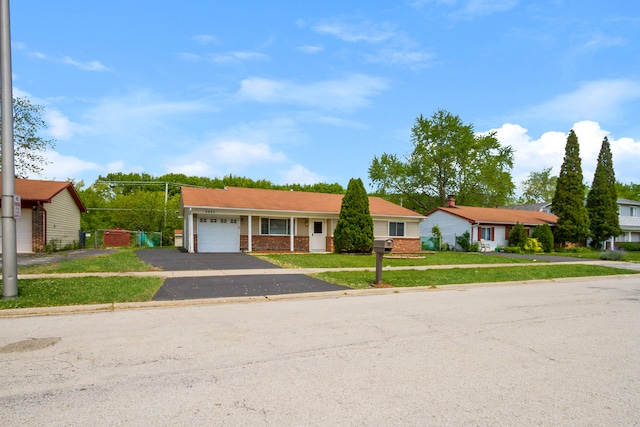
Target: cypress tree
(545, 236)
(602, 200)
(354, 231)
(568, 201)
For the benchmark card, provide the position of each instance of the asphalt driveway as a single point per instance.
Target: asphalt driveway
(182, 288)
(175, 259)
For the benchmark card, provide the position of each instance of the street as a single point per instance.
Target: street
(553, 353)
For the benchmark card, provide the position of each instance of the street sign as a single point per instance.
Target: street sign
(17, 207)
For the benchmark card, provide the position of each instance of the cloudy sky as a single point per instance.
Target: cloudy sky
(304, 92)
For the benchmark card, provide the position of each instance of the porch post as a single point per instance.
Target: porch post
(191, 246)
(250, 232)
(292, 234)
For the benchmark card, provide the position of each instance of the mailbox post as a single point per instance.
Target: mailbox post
(381, 247)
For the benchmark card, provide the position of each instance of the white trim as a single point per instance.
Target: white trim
(249, 232)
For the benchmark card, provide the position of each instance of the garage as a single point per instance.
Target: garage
(23, 233)
(218, 234)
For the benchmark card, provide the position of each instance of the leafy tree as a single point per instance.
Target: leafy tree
(447, 158)
(628, 191)
(28, 146)
(518, 235)
(568, 201)
(538, 187)
(602, 199)
(544, 235)
(354, 231)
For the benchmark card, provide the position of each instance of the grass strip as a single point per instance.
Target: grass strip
(80, 291)
(343, 260)
(121, 261)
(409, 278)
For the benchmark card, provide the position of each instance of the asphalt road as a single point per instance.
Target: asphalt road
(555, 353)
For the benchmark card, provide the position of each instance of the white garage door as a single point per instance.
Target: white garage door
(23, 233)
(218, 234)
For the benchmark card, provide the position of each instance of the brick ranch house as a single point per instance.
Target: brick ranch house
(50, 211)
(249, 219)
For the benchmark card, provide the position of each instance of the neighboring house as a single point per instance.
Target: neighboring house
(489, 224)
(629, 214)
(250, 219)
(50, 212)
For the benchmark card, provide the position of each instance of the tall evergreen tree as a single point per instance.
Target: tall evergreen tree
(568, 201)
(354, 231)
(602, 198)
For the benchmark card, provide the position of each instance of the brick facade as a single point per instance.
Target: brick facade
(406, 244)
(37, 230)
(274, 243)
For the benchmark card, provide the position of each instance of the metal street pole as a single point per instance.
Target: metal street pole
(9, 248)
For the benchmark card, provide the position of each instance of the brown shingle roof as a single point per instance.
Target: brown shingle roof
(31, 190)
(500, 216)
(279, 200)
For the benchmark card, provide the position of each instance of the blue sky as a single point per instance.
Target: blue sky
(300, 91)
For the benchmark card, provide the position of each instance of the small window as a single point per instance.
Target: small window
(275, 226)
(634, 212)
(396, 229)
(486, 233)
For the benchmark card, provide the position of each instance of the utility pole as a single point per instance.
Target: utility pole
(9, 246)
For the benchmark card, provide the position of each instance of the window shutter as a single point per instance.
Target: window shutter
(493, 234)
(479, 232)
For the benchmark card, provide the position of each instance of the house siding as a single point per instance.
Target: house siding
(629, 225)
(450, 227)
(63, 219)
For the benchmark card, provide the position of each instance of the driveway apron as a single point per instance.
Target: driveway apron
(182, 288)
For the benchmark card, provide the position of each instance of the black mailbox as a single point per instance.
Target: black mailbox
(382, 245)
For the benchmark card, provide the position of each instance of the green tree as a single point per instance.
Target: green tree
(602, 199)
(448, 157)
(29, 147)
(354, 231)
(538, 187)
(544, 235)
(629, 191)
(568, 200)
(518, 235)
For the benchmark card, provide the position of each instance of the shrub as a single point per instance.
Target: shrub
(475, 247)
(518, 235)
(545, 236)
(613, 255)
(629, 246)
(513, 250)
(532, 246)
(354, 231)
(464, 241)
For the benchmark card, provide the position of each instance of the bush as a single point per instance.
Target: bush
(475, 247)
(532, 246)
(518, 235)
(354, 231)
(513, 250)
(629, 246)
(545, 236)
(613, 255)
(464, 241)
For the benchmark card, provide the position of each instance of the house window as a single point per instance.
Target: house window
(634, 212)
(277, 226)
(486, 233)
(396, 229)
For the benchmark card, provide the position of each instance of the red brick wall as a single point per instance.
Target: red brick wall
(406, 244)
(38, 230)
(274, 243)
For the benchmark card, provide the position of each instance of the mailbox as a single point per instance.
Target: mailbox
(382, 245)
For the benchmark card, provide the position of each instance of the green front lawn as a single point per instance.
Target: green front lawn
(121, 261)
(408, 278)
(84, 290)
(354, 261)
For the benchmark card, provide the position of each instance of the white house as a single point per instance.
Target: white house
(250, 219)
(489, 224)
(629, 215)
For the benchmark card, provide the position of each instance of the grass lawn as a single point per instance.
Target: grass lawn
(123, 260)
(632, 256)
(84, 290)
(341, 260)
(408, 278)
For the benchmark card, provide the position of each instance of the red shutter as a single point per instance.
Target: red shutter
(479, 232)
(493, 234)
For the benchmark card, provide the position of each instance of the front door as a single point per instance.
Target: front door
(317, 236)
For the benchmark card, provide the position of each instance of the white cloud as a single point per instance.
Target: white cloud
(597, 100)
(86, 66)
(533, 155)
(311, 49)
(356, 32)
(59, 126)
(62, 166)
(239, 56)
(298, 174)
(347, 94)
(205, 39)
